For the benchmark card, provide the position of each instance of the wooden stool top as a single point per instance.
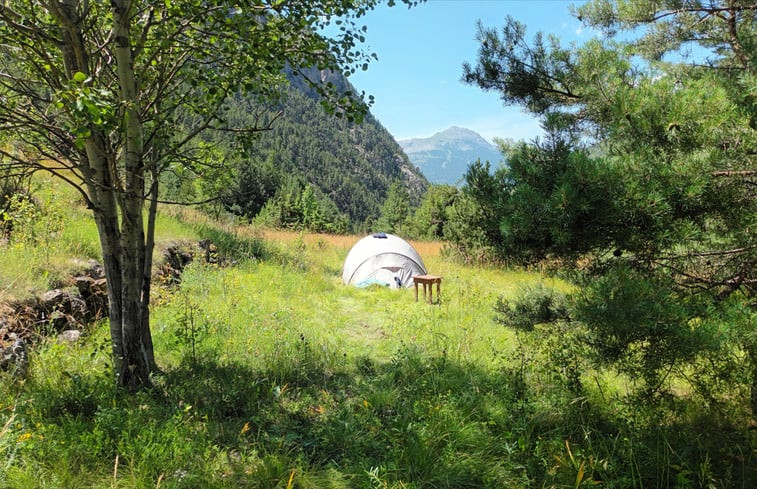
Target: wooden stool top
(427, 278)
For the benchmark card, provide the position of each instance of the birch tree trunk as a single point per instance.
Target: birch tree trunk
(121, 234)
(133, 366)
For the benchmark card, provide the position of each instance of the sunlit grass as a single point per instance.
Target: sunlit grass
(59, 238)
(275, 374)
(304, 295)
(50, 237)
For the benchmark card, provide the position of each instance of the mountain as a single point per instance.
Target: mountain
(313, 162)
(445, 156)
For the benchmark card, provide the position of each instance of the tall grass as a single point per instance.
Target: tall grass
(55, 235)
(275, 374)
(49, 233)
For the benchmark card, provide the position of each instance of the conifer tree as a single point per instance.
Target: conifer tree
(646, 180)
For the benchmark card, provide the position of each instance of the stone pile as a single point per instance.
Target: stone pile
(64, 312)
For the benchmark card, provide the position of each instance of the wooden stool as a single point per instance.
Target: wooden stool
(428, 280)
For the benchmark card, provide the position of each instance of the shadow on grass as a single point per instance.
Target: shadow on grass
(425, 421)
(231, 246)
(431, 422)
(416, 421)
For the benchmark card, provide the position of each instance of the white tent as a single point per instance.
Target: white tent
(382, 259)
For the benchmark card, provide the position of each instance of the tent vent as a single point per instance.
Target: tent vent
(380, 235)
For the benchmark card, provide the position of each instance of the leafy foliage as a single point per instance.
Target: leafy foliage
(536, 305)
(645, 183)
(109, 97)
(299, 206)
(395, 211)
(430, 219)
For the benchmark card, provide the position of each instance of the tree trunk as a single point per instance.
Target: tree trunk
(134, 370)
(751, 350)
(147, 267)
(115, 186)
(105, 210)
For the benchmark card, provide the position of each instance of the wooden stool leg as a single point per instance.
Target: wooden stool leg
(428, 281)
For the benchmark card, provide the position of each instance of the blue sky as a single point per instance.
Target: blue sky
(416, 81)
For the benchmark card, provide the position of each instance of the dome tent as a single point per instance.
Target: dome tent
(382, 259)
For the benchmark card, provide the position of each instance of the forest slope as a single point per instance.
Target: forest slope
(350, 166)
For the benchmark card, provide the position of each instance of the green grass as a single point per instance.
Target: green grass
(56, 236)
(47, 236)
(275, 375)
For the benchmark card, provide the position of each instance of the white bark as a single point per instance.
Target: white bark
(135, 365)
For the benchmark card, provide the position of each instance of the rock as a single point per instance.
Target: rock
(70, 335)
(15, 358)
(96, 270)
(70, 308)
(89, 268)
(177, 258)
(63, 308)
(6, 315)
(84, 284)
(209, 249)
(52, 298)
(94, 292)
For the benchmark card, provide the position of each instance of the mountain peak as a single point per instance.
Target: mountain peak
(445, 156)
(460, 133)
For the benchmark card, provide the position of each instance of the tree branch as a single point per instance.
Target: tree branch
(734, 173)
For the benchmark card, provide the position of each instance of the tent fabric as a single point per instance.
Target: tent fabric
(382, 258)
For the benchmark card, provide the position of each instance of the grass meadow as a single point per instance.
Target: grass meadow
(276, 375)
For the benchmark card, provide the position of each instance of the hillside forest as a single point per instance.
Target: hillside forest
(196, 172)
(309, 170)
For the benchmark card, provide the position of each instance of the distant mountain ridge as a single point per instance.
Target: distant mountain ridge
(445, 156)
